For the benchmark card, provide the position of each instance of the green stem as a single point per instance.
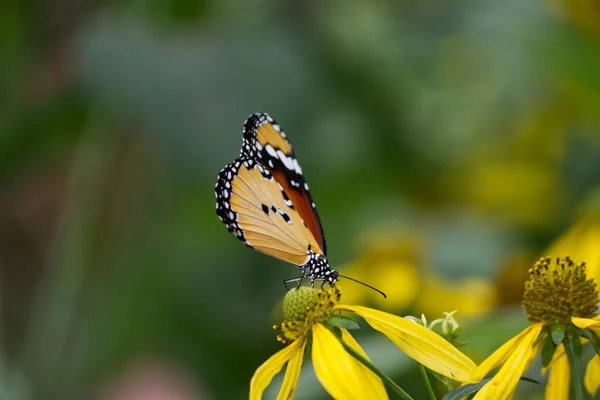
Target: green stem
(575, 377)
(390, 383)
(427, 382)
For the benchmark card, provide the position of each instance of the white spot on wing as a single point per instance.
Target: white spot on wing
(271, 150)
(289, 164)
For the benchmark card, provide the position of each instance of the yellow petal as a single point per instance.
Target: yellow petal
(374, 380)
(265, 373)
(421, 344)
(292, 372)
(558, 381)
(500, 355)
(584, 322)
(592, 376)
(503, 384)
(339, 373)
(596, 327)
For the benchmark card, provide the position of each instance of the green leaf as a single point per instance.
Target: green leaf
(547, 351)
(540, 337)
(307, 351)
(341, 321)
(576, 378)
(558, 334)
(577, 346)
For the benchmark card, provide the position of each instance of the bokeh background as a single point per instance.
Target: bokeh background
(447, 145)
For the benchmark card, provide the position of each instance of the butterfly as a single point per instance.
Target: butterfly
(264, 200)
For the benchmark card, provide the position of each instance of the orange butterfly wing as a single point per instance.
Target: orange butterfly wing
(265, 141)
(252, 205)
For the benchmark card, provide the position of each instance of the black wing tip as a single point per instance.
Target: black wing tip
(258, 115)
(255, 120)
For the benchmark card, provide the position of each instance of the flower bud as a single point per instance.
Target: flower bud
(419, 321)
(446, 327)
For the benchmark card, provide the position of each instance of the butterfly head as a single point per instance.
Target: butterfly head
(332, 277)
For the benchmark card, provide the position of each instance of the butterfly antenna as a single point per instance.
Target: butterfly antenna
(364, 284)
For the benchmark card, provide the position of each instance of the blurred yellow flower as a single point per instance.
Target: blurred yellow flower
(581, 240)
(556, 295)
(471, 296)
(309, 316)
(388, 262)
(514, 176)
(523, 192)
(584, 13)
(512, 276)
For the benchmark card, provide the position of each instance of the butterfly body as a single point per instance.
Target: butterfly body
(265, 202)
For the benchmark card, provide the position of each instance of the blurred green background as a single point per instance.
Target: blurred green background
(446, 146)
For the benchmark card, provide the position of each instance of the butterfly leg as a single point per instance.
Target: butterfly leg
(298, 279)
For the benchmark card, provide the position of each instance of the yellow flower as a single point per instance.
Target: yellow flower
(309, 315)
(556, 294)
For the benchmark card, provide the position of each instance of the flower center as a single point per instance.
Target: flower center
(555, 292)
(302, 308)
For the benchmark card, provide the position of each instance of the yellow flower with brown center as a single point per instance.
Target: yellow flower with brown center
(555, 295)
(560, 300)
(315, 316)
